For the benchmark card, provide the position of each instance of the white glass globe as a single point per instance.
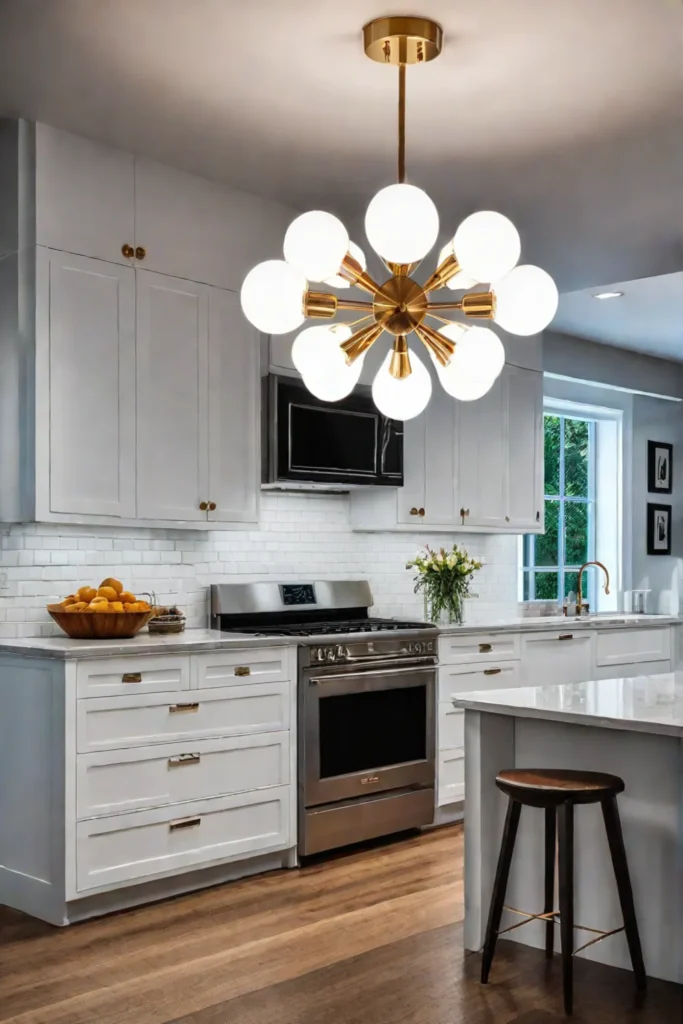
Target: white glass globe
(487, 245)
(316, 243)
(340, 282)
(526, 300)
(272, 297)
(477, 361)
(402, 399)
(402, 224)
(332, 386)
(460, 282)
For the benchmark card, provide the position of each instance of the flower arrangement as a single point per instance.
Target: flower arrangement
(444, 577)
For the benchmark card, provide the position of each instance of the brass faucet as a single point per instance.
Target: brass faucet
(579, 589)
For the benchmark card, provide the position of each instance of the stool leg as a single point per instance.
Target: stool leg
(549, 880)
(615, 837)
(499, 886)
(565, 821)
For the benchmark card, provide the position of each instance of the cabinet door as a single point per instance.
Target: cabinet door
(482, 457)
(412, 494)
(85, 386)
(430, 458)
(234, 402)
(84, 196)
(525, 448)
(554, 658)
(172, 368)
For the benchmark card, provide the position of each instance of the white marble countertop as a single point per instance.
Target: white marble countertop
(189, 642)
(651, 704)
(608, 620)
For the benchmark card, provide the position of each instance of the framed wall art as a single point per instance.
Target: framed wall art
(658, 529)
(659, 467)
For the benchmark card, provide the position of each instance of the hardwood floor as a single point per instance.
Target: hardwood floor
(369, 937)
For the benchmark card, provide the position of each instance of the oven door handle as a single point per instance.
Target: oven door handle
(388, 671)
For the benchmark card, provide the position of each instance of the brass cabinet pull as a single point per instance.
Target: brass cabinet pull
(131, 677)
(128, 251)
(212, 506)
(566, 636)
(242, 670)
(464, 512)
(492, 671)
(507, 519)
(175, 709)
(538, 517)
(203, 506)
(369, 779)
(178, 826)
(485, 648)
(140, 252)
(183, 759)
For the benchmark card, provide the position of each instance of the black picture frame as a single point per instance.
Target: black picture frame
(660, 457)
(659, 529)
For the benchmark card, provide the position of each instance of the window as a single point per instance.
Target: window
(551, 561)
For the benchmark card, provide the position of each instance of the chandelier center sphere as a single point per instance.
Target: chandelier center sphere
(400, 305)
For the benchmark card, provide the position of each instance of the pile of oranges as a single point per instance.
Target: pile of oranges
(108, 597)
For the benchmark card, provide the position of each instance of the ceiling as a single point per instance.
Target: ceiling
(565, 115)
(647, 318)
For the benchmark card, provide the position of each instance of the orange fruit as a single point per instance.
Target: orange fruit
(115, 606)
(130, 606)
(115, 585)
(109, 593)
(70, 599)
(142, 606)
(127, 598)
(99, 604)
(86, 594)
(78, 606)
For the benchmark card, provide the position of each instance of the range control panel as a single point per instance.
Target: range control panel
(337, 654)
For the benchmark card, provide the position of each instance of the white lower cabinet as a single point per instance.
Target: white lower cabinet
(562, 657)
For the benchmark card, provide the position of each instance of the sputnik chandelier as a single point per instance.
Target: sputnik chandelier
(402, 225)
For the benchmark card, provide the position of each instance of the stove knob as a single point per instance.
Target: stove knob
(329, 653)
(418, 648)
(411, 648)
(319, 654)
(342, 653)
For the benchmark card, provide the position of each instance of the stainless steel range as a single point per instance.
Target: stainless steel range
(366, 699)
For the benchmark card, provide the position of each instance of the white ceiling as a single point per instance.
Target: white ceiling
(648, 317)
(565, 114)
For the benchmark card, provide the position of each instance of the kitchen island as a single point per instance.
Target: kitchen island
(631, 727)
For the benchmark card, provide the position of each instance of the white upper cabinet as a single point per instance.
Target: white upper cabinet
(85, 386)
(428, 496)
(233, 409)
(525, 449)
(481, 443)
(172, 398)
(84, 196)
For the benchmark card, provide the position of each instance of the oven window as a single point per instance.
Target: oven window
(362, 731)
(332, 440)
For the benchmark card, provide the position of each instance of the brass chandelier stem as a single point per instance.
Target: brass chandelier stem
(400, 367)
(401, 123)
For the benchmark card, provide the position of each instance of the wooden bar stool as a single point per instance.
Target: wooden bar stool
(558, 792)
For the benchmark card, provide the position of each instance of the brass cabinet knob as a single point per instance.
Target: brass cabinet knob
(140, 252)
(128, 251)
(507, 519)
(414, 512)
(420, 511)
(203, 506)
(212, 506)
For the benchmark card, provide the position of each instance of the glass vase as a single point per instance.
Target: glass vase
(450, 614)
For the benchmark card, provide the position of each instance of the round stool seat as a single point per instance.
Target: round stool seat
(547, 787)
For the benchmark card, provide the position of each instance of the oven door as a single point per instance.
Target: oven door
(366, 732)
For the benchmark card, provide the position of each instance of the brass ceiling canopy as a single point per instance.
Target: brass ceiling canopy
(402, 40)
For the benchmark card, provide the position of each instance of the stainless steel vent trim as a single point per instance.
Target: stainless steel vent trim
(256, 598)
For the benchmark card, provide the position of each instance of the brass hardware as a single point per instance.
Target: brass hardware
(507, 519)
(438, 344)
(464, 512)
(178, 826)
(361, 341)
(322, 305)
(369, 780)
(128, 251)
(443, 273)
(421, 512)
(401, 40)
(400, 367)
(580, 603)
(242, 670)
(352, 271)
(212, 506)
(353, 304)
(131, 677)
(183, 759)
(554, 915)
(402, 117)
(477, 305)
(400, 305)
(538, 517)
(401, 269)
(485, 648)
(414, 512)
(566, 636)
(140, 252)
(175, 709)
(203, 506)
(492, 671)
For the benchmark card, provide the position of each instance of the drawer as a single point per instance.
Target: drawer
(113, 677)
(633, 646)
(476, 647)
(107, 723)
(451, 726)
(451, 777)
(129, 847)
(226, 668)
(113, 782)
(466, 678)
(558, 656)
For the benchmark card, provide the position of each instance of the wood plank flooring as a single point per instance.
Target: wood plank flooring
(368, 937)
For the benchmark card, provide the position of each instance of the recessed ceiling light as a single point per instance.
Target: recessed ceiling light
(608, 295)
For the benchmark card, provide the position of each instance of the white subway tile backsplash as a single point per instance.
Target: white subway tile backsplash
(302, 537)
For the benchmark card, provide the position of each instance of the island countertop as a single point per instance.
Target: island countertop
(541, 623)
(648, 704)
(192, 641)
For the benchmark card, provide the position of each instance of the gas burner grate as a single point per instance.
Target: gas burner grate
(334, 628)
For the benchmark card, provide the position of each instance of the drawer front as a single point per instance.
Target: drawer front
(451, 726)
(558, 657)
(467, 678)
(473, 648)
(107, 723)
(114, 677)
(633, 646)
(643, 668)
(227, 668)
(128, 847)
(451, 779)
(129, 780)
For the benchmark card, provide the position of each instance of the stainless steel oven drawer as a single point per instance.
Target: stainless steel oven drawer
(353, 821)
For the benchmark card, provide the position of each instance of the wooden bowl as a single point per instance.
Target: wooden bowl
(99, 625)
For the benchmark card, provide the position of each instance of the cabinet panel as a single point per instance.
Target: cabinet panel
(525, 448)
(234, 397)
(225, 668)
(633, 646)
(84, 196)
(120, 677)
(430, 463)
(85, 386)
(482, 458)
(468, 649)
(554, 658)
(172, 367)
(454, 679)
(451, 777)
(412, 494)
(451, 726)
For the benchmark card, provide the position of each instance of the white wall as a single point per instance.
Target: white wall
(301, 537)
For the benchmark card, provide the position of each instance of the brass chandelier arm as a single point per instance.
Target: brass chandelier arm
(443, 273)
(400, 367)
(352, 272)
(361, 341)
(353, 304)
(441, 319)
(442, 348)
(477, 305)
